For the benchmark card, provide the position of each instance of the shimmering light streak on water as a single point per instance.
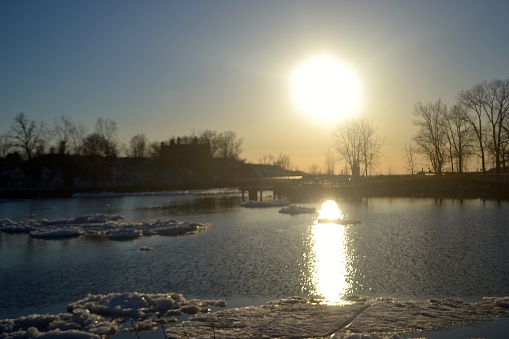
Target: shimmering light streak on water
(328, 260)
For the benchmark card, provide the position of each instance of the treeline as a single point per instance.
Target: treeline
(475, 129)
(27, 139)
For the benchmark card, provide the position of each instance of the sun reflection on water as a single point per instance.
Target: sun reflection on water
(328, 262)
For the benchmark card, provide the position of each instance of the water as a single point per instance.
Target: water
(405, 248)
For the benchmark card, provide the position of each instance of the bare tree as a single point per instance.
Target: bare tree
(371, 144)
(460, 136)
(431, 138)
(489, 102)
(314, 169)
(283, 161)
(230, 146)
(358, 145)
(266, 159)
(410, 157)
(138, 146)
(95, 145)
(154, 150)
(5, 145)
(329, 161)
(108, 130)
(497, 112)
(62, 130)
(347, 143)
(28, 136)
(77, 138)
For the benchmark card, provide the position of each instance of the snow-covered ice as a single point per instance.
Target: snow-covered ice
(101, 315)
(112, 225)
(57, 232)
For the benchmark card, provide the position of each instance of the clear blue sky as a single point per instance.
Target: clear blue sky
(165, 68)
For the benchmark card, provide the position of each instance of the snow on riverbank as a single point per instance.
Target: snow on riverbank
(112, 225)
(101, 315)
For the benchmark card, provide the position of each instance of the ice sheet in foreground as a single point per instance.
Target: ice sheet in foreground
(101, 315)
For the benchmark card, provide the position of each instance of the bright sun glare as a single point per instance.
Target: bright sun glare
(330, 211)
(325, 88)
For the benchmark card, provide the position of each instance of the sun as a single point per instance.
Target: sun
(325, 89)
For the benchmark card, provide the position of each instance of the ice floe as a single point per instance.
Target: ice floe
(55, 232)
(268, 203)
(297, 209)
(102, 315)
(112, 225)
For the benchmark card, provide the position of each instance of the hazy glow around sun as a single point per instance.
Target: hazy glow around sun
(325, 88)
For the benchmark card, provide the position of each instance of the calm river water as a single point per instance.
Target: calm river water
(404, 248)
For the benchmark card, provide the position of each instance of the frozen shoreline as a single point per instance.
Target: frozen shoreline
(102, 315)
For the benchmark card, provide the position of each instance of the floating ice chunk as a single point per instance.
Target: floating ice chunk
(115, 226)
(269, 203)
(67, 232)
(125, 234)
(297, 209)
(134, 305)
(17, 228)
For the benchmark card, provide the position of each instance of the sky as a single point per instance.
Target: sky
(170, 68)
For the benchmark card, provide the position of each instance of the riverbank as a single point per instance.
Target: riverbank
(465, 186)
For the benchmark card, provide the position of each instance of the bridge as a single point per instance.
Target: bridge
(294, 187)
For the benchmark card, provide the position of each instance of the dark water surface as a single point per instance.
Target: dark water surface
(404, 248)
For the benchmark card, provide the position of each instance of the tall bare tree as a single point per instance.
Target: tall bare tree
(138, 146)
(431, 138)
(77, 138)
(329, 162)
(62, 130)
(497, 113)
(28, 136)
(489, 104)
(358, 145)
(5, 145)
(108, 130)
(266, 159)
(371, 144)
(460, 136)
(94, 144)
(230, 146)
(283, 161)
(410, 157)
